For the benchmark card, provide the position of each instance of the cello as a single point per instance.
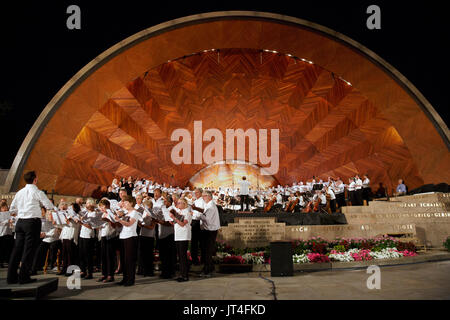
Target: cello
(291, 205)
(270, 204)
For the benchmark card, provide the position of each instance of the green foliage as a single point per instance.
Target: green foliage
(339, 248)
(447, 243)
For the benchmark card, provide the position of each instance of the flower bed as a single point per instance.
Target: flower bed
(318, 250)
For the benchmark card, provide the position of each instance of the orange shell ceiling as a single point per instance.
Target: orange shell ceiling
(119, 120)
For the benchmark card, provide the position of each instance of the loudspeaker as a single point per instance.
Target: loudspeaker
(281, 264)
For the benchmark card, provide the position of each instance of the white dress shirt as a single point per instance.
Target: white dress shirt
(183, 233)
(322, 197)
(366, 183)
(279, 199)
(358, 184)
(51, 233)
(351, 186)
(87, 233)
(210, 219)
(199, 203)
(243, 187)
(107, 230)
(5, 228)
(130, 231)
(28, 201)
(164, 231)
(331, 193)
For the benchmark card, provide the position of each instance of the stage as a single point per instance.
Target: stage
(291, 219)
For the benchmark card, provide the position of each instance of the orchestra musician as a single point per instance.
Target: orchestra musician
(366, 191)
(330, 193)
(321, 199)
(351, 191)
(358, 190)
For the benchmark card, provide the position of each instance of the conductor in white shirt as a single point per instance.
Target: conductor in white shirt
(27, 203)
(243, 191)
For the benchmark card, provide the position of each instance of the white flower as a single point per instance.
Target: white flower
(387, 253)
(343, 256)
(300, 258)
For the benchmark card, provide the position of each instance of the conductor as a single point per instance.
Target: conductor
(244, 186)
(27, 203)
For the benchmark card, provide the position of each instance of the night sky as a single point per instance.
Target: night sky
(39, 53)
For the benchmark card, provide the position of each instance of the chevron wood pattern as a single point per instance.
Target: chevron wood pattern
(326, 126)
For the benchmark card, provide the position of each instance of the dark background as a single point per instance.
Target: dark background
(39, 54)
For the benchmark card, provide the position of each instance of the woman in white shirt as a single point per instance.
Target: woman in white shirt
(128, 239)
(182, 236)
(69, 238)
(49, 234)
(107, 233)
(6, 235)
(87, 241)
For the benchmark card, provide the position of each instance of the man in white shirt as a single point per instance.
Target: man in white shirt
(166, 239)
(210, 225)
(323, 199)
(358, 190)
(351, 191)
(366, 191)
(339, 189)
(330, 192)
(243, 192)
(27, 203)
(196, 233)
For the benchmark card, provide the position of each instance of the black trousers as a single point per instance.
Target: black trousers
(209, 242)
(167, 255)
(244, 199)
(97, 253)
(6, 246)
(358, 197)
(366, 194)
(129, 248)
(27, 238)
(41, 255)
(86, 246)
(351, 197)
(340, 200)
(182, 247)
(195, 241)
(146, 254)
(333, 205)
(108, 257)
(68, 252)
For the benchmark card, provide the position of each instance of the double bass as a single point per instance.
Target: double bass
(270, 204)
(313, 205)
(291, 205)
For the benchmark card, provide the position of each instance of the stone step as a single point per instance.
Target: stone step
(35, 290)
